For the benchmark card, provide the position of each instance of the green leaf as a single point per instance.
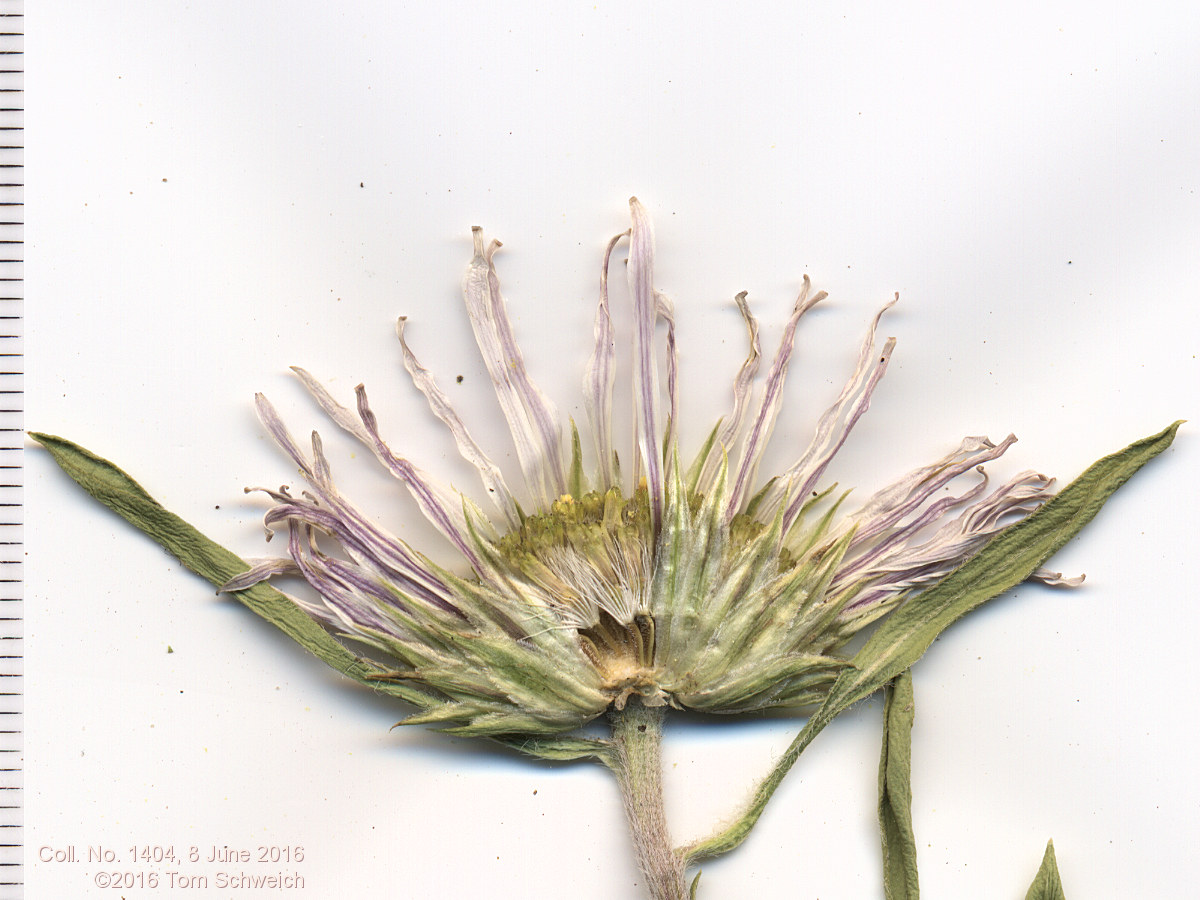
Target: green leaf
(1047, 885)
(904, 636)
(120, 493)
(895, 792)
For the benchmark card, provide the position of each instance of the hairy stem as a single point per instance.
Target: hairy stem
(636, 760)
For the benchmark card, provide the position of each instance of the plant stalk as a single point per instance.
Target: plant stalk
(636, 760)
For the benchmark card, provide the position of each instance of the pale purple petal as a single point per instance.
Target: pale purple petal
(666, 311)
(439, 507)
(439, 403)
(833, 427)
(541, 412)
(769, 403)
(731, 426)
(742, 384)
(369, 547)
(351, 607)
(1056, 579)
(354, 530)
(317, 609)
(858, 559)
(344, 417)
(887, 506)
(260, 570)
(898, 565)
(645, 364)
(599, 377)
(280, 434)
(536, 430)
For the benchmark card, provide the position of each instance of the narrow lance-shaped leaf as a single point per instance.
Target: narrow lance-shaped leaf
(895, 792)
(1002, 563)
(208, 559)
(1047, 885)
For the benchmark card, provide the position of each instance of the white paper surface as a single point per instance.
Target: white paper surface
(221, 190)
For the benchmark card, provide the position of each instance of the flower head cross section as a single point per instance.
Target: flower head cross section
(695, 584)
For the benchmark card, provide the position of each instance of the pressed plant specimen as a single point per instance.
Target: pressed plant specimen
(672, 578)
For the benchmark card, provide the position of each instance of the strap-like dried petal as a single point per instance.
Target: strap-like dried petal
(532, 420)
(645, 365)
(598, 379)
(833, 427)
(768, 406)
(439, 403)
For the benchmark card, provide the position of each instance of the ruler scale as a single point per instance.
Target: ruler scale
(12, 395)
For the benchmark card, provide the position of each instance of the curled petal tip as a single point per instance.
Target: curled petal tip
(1057, 579)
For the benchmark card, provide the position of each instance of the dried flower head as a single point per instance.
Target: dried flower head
(697, 586)
(700, 586)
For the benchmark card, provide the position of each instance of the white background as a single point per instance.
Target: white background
(219, 190)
